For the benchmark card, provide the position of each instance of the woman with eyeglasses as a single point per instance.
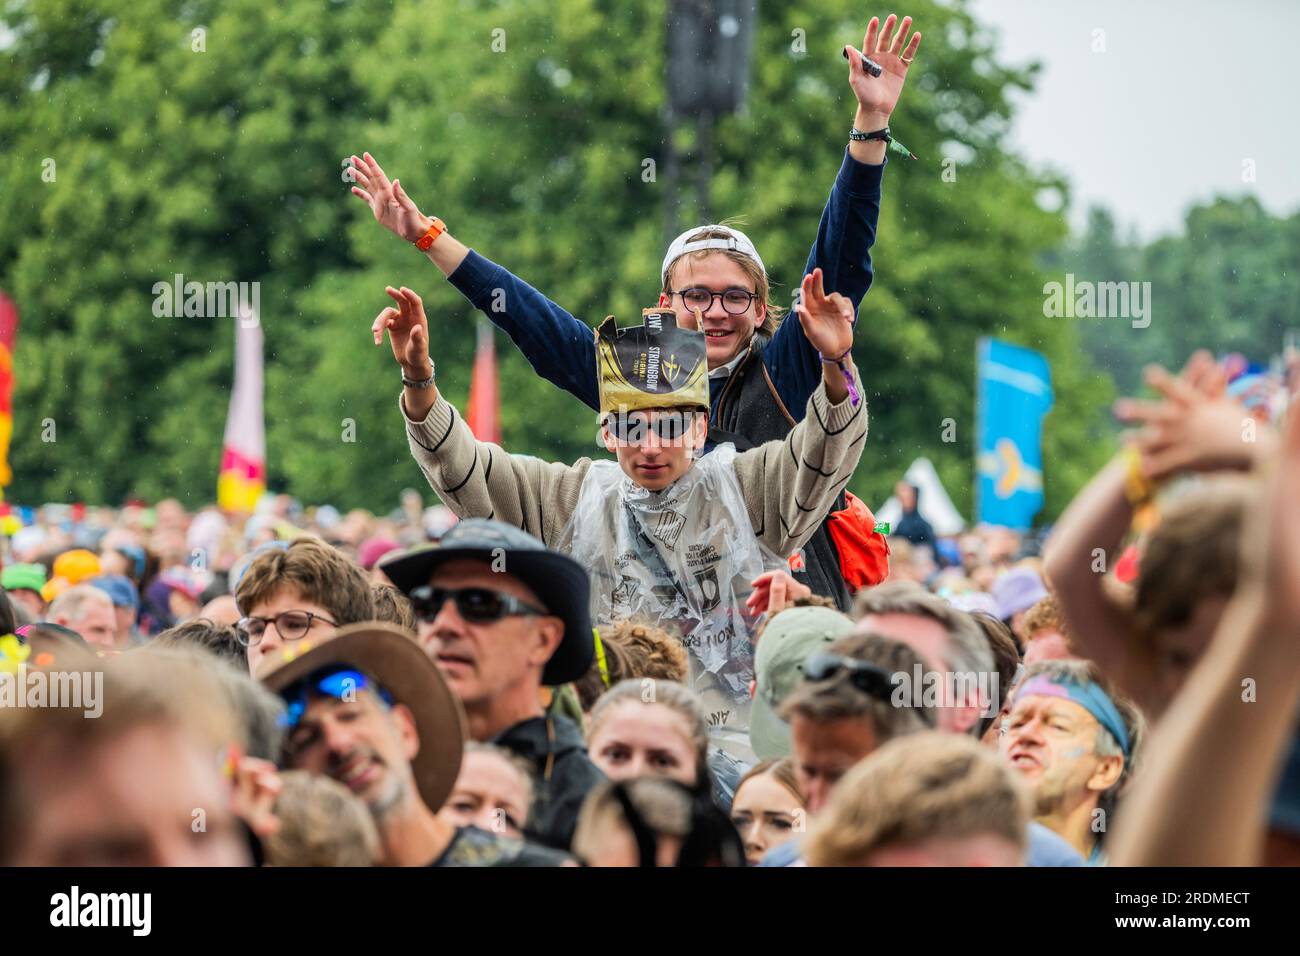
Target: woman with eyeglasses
(761, 371)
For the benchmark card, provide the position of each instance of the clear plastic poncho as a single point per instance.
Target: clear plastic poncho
(681, 559)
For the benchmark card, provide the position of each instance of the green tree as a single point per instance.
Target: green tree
(1226, 282)
(525, 125)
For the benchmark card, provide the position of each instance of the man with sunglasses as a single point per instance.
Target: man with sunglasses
(761, 372)
(842, 709)
(365, 706)
(503, 616)
(668, 537)
(845, 707)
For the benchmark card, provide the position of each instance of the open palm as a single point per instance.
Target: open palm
(393, 209)
(879, 94)
(827, 320)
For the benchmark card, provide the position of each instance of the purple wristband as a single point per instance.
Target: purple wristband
(854, 398)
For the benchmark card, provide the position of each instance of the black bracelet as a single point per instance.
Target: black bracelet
(881, 134)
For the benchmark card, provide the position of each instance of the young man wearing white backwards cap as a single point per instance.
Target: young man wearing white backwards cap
(761, 371)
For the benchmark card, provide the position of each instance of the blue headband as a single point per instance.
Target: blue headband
(1087, 695)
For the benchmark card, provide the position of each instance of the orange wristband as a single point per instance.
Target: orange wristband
(436, 229)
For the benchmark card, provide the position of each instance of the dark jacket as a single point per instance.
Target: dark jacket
(766, 394)
(563, 775)
(562, 349)
(912, 526)
(747, 411)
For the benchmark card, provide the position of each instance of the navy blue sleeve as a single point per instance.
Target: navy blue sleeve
(843, 253)
(560, 348)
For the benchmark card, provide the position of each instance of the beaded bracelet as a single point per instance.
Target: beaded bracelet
(854, 398)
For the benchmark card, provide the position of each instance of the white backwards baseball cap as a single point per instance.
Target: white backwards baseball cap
(735, 241)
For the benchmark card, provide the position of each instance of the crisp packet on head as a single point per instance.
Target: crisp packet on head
(654, 365)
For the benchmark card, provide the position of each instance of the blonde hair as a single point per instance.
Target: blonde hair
(928, 785)
(177, 691)
(782, 771)
(322, 823)
(1046, 616)
(521, 767)
(762, 287)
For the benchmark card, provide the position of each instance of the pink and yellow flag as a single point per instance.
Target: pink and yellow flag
(243, 454)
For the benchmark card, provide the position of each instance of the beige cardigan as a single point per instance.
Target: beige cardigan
(788, 486)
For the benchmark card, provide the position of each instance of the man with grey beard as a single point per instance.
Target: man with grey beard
(368, 708)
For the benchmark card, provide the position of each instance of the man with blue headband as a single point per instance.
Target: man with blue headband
(1074, 742)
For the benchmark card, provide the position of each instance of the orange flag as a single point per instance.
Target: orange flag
(484, 412)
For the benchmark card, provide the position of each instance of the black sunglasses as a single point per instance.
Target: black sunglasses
(871, 680)
(476, 605)
(633, 428)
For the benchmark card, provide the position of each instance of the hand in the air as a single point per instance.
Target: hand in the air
(879, 94)
(408, 332)
(827, 320)
(387, 200)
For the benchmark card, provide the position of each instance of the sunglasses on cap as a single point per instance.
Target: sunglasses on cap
(476, 605)
(633, 428)
(868, 678)
(342, 684)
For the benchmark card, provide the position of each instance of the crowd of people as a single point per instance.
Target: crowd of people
(702, 651)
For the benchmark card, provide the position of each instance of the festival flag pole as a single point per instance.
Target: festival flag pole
(8, 338)
(243, 455)
(483, 413)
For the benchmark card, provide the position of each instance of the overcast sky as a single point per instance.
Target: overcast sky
(1184, 92)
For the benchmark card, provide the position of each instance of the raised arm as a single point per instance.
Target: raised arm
(1194, 427)
(1203, 797)
(789, 485)
(847, 231)
(559, 347)
(474, 479)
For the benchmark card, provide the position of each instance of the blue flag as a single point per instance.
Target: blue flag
(1015, 392)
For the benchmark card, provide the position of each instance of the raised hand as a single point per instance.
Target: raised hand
(774, 591)
(878, 95)
(256, 785)
(1196, 426)
(408, 332)
(827, 320)
(387, 200)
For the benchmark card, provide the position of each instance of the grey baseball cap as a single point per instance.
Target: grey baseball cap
(789, 640)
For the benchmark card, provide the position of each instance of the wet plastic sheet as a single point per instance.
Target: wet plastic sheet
(682, 559)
